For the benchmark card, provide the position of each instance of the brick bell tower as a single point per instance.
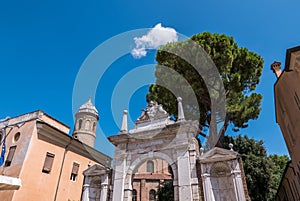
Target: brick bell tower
(86, 123)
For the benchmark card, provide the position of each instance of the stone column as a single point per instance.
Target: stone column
(119, 178)
(127, 195)
(238, 186)
(184, 176)
(144, 193)
(128, 190)
(207, 187)
(176, 195)
(194, 179)
(104, 187)
(85, 194)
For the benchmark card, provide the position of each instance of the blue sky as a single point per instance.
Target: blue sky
(43, 44)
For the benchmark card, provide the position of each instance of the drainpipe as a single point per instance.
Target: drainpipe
(61, 168)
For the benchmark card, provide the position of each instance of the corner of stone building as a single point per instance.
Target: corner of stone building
(244, 179)
(200, 184)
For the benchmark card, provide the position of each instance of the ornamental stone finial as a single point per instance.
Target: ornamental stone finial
(201, 151)
(231, 146)
(180, 110)
(124, 128)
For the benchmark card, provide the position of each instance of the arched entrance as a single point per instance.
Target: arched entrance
(156, 136)
(149, 179)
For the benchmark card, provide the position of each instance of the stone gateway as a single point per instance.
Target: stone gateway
(216, 175)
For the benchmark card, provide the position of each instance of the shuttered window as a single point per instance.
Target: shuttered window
(48, 163)
(74, 172)
(10, 155)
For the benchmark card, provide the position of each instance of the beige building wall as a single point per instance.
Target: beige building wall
(288, 186)
(287, 95)
(287, 100)
(36, 184)
(40, 134)
(72, 189)
(23, 144)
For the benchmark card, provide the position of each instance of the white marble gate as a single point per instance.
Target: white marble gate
(157, 136)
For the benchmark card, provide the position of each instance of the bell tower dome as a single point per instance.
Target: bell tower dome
(86, 123)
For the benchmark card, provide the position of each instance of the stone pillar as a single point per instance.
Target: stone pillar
(176, 195)
(175, 180)
(124, 128)
(104, 187)
(238, 186)
(128, 190)
(207, 187)
(144, 193)
(119, 178)
(184, 176)
(194, 178)
(85, 194)
(180, 110)
(127, 195)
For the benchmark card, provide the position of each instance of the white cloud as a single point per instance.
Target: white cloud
(156, 37)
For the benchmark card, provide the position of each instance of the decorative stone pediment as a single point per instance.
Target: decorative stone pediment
(95, 170)
(152, 112)
(218, 154)
(154, 116)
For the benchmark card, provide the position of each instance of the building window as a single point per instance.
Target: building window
(48, 163)
(87, 125)
(16, 137)
(134, 195)
(94, 126)
(152, 195)
(79, 124)
(150, 166)
(10, 155)
(74, 172)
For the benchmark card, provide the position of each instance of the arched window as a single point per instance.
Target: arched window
(79, 124)
(134, 195)
(94, 126)
(150, 166)
(87, 125)
(152, 195)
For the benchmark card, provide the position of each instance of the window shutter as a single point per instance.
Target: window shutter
(11, 153)
(48, 162)
(75, 168)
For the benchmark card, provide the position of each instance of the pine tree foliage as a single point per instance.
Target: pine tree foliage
(240, 71)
